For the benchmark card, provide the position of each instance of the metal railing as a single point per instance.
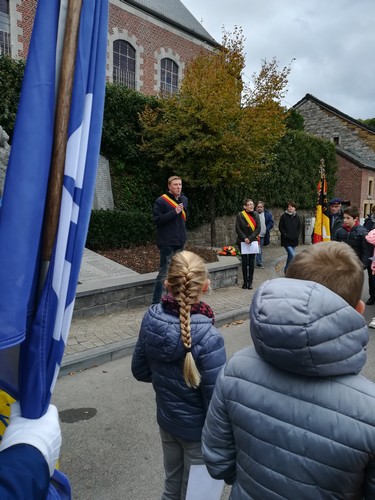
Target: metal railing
(126, 78)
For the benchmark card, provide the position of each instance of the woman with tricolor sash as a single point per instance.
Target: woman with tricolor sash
(247, 229)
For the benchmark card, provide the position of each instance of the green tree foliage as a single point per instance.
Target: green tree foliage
(370, 122)
(294, 175)
(217, 130)
(134, 174)
(294, 120)
(11, 74)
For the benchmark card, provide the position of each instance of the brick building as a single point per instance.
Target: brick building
(149, 41)
(355, 150)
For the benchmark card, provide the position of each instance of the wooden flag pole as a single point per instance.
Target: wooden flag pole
(60, 138)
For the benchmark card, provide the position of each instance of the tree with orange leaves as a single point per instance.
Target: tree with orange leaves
(217, 129)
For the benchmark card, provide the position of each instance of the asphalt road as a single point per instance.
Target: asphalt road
(111, 448)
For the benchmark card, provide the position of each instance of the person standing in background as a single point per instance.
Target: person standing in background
(266, 224)
(247, 229)
(169, 216)
(290, 229)
(336, 215)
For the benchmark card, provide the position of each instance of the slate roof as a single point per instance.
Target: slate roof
(359, 160)
(309, 97)
(176, 14)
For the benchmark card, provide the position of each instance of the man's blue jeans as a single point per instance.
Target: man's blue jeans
(166, 254)
(291, 251)
(259, 256)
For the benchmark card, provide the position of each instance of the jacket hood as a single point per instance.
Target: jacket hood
(164, 333)
(303, 327)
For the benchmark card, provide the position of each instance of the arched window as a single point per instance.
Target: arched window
(124, 63)
(4, 27)
(168, 76)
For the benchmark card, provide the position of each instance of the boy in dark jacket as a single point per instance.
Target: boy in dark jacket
(354, 235)
(291, 417)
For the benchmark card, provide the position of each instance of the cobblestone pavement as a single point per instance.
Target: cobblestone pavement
(99, 339)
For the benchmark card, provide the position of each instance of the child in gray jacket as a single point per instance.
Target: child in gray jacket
(291, 417)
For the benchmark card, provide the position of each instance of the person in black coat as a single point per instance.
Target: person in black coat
(290, 229)
(169, 216)
(336, 215)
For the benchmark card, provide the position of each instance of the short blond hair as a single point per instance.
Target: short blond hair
(334, 265)
(174, 178)
(187, 276)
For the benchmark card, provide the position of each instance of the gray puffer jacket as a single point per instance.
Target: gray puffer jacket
(159, 357)
(291, 418)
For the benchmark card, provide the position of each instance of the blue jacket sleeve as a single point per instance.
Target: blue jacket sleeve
(269, 220)
(218, 446)
(140, 366)
(211, 361)
(24, 473)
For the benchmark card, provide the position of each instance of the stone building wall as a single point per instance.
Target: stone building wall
(327, 125)
(226, 234)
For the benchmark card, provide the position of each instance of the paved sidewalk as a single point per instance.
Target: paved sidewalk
(98, 339)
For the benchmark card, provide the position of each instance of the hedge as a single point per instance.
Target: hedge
(119, 229)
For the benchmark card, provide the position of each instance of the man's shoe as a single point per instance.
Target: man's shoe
(250, 287)
(370, 301)
(244, 286)
(372, 324)
(259, 266)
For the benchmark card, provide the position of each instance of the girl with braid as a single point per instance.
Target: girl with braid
(181, 352)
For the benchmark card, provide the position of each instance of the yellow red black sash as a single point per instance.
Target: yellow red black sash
(173, 204)
(251, 222)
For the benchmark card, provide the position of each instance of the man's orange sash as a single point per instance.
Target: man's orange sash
(173, 203)
(250, 220)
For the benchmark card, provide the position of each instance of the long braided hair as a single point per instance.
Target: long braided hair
(186, 279)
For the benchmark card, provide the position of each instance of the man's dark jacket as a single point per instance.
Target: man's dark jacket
(170, 226)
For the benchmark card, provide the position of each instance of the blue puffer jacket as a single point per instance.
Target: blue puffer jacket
(290, 419)
(158, 358)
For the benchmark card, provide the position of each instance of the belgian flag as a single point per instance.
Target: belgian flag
(322, 231)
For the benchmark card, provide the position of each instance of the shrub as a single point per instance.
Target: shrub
(119, 229)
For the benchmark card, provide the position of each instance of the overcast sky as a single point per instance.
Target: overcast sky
(332, 42)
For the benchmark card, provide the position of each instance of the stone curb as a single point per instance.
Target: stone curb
(99, 355)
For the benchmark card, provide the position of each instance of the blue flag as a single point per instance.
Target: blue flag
(34, 324)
